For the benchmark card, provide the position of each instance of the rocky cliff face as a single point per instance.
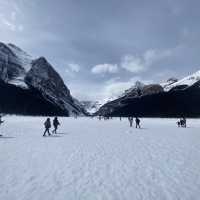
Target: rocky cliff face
(10, 67)
(151, 89)
(34, 78)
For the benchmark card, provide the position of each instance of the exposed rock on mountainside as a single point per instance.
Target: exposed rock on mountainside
(26, 80)
(152, 89)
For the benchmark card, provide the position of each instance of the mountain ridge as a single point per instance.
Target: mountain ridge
(156, 100)
(19, 69)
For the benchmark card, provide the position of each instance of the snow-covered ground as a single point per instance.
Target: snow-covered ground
(99, 160)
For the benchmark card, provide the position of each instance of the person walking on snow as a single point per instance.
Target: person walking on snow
(1, 122)
(47, 125)
(56, 123)
(179, 123)
(184, 122)
(130, 119)
(137, 122)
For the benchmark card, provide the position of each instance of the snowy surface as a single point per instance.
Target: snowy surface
(99, 160)
(19, 81)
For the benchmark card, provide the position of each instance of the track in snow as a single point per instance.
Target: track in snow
(93, 159)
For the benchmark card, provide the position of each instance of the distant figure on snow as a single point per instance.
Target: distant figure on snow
(182, 123)
(137, 122)
(1, 122)
(179, 123)
(56, 123)
(130, 119)
(47, 125)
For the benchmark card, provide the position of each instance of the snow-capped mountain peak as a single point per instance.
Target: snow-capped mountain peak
(187, 81)
(91, 106)
(19, 69)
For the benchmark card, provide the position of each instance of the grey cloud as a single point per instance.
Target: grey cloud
(91, 32)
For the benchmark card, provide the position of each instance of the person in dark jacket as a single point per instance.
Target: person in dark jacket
(1, 122)
(47, 125)
(184, 122)
(178, 123)
(56, 123)
(137, 122)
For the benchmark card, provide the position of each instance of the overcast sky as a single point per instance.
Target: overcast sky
(100, 47)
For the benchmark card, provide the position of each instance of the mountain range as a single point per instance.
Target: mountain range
(32, 86)
(174, 98)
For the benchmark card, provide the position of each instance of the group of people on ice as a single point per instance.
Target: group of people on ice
(47, 125)
(56, 123)
(182, 123)
(137, 122)
(130, 119)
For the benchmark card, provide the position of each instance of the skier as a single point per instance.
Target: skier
(56, 123)
(47, 125)
(1, 122)
(137, 122)
(130, 119)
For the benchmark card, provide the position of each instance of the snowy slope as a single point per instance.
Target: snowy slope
(91, 106)
(93, 159)
(24, 58)
(10, 66)
(20, 61)
(169, 82)
(188, 81)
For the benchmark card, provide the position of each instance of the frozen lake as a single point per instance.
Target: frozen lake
(99, 160)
